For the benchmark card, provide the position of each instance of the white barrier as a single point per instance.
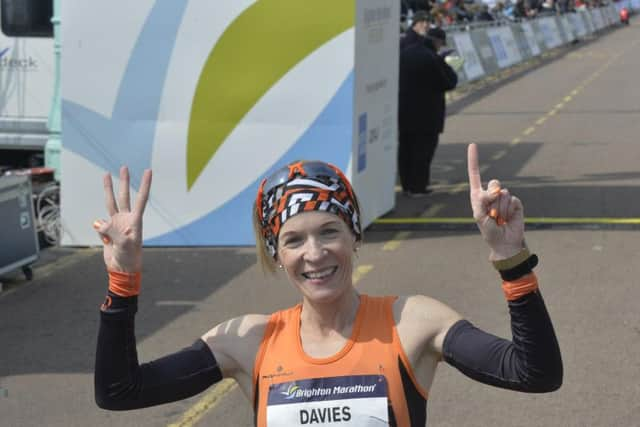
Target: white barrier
(488, 49)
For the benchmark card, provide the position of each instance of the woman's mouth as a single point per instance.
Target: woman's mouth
(320, 276)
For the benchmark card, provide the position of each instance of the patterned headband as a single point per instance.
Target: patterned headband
(303, 187)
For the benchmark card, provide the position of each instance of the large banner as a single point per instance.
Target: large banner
(504, 46)
(214, 96)
(550, 32)
(472, 65)
(531, 39)
(374, 166)
(26, 88)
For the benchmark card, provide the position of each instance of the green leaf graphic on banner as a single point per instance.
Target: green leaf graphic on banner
(255, 51)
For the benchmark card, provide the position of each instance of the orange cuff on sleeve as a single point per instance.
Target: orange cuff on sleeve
(521, 287)
(124, 284)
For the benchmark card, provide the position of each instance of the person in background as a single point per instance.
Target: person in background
(484, 14)
(424, 78)
(417, 32)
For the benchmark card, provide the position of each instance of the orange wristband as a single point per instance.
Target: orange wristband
(124, 284)
(521, 287)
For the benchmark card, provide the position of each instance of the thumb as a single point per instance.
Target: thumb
(102, 227)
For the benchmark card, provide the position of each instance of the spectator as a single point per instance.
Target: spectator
(417, 32)
(484, 14)
(424, 79)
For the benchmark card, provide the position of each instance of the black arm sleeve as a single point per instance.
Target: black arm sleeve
(122, 384)
(530, 363)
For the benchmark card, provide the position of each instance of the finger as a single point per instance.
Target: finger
(516, 209)
(494, 187)
(503, 206)
(102, 227)
(475, 183)
(143, 192)
(110, 200)
(123, 199)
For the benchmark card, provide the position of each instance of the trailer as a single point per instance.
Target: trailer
(27, 76)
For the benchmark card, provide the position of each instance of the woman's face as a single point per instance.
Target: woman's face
(316, 250)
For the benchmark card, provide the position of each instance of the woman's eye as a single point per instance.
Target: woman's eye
(329, 231)
(292, 241)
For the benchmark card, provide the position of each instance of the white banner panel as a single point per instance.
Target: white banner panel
(504, 46)
(464, 46)
(26, 77)
(374, 165)
(550, 32)
(598, 21)
(214, 108)
(568, 30)
(577, 22)
(531, 39)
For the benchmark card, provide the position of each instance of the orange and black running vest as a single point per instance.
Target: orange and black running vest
(369, 382)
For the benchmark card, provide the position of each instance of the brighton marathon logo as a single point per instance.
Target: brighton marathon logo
(295, 392)
(20, 64)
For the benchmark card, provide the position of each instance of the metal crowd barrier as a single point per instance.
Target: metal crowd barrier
(487, 49)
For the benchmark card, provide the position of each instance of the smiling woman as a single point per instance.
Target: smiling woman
(337, 356)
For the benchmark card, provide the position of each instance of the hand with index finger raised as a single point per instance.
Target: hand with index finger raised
(503, 229)
(122, 232)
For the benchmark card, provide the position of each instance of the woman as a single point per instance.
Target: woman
(338, 356)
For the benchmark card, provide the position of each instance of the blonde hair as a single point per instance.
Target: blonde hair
(265, 259)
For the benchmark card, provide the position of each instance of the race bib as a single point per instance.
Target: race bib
(358, 401)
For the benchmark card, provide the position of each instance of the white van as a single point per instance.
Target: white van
(26, 80)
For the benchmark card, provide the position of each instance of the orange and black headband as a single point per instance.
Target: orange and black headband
(302, 187)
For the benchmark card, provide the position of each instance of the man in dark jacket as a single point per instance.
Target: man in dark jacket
(417, 32)
(424, 79)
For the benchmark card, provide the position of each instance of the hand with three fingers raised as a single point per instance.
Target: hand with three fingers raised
(499, 215)
(122, 232)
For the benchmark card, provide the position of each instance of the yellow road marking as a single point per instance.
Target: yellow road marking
(394, 243)
(567, 98)
(552, 112)
(529, 131)
(500, 154)
(459, 188)
(515, 141)
(542, 220)
(207, 403)
(433, 210)
(360, 272)
(541, 120)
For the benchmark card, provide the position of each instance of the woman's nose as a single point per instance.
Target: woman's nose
(314, 250)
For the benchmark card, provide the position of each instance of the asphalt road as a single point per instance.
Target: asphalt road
(563, 137)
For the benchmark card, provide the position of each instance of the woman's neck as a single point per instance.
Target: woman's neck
(324, 319)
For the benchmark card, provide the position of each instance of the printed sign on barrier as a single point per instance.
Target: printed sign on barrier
(504, 46)
(568, 30)
(531, 39)
(606, 16)
(578, 24)
(598, 22)
(550, 32)
(472, 65)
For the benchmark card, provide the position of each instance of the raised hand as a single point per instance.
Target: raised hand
(122, 233)
(499, 215)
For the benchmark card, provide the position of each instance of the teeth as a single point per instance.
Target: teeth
(319, 274)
